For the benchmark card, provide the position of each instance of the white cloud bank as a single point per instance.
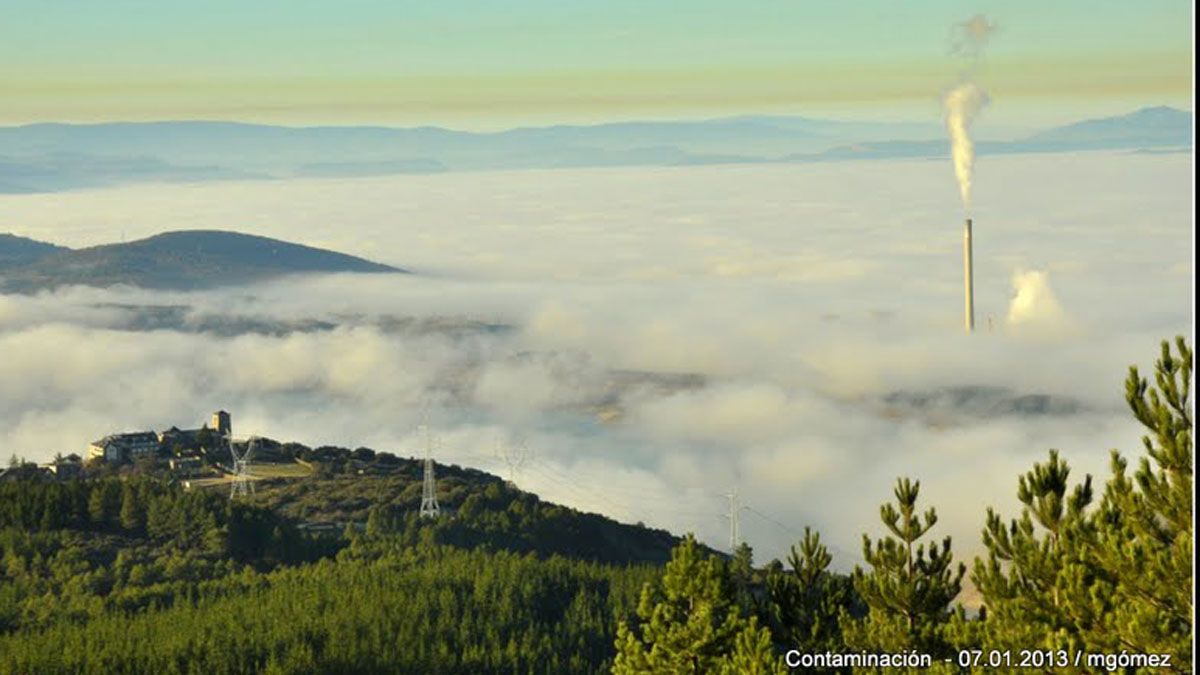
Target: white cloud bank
(818, 304)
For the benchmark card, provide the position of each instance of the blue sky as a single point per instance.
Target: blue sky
(484, 63)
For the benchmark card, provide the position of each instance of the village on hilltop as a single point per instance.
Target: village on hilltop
(207, 456)
(186, 453)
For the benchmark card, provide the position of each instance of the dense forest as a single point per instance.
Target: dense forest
(135, 574)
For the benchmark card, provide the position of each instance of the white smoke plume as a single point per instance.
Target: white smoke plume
(1034, 305)
(963, 103)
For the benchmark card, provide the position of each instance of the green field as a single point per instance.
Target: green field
(258, 471)
(292, 470)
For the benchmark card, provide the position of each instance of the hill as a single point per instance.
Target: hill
(128, 550)
(16, 250)
(185, 260)
(380, 491)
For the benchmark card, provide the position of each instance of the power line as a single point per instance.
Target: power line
(522, 459)
(771, 520)
(836, 549)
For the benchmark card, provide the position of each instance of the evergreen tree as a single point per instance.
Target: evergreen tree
(1040, 586)
(1145, 525)
(805, 602)
(103, 502)
(909, 588)
(133, 516)
(1117, 577)
(753, 653)
(690, 623)
(741, 575)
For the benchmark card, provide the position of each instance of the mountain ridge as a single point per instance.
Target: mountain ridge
(177, 260)
(55, 156)
(1156, 124)
(16, 250)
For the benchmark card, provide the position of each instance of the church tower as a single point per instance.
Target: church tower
(221, 423)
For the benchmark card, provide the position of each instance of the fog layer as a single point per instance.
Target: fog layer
(658, 337)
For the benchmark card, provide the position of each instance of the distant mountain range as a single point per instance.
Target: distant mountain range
(1148, 129)
(186, 260)
(51, 157)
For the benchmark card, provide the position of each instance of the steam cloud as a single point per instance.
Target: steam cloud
(963, 103)
(1034, 304)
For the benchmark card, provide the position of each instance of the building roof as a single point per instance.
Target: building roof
(176, 432)
(131, 438)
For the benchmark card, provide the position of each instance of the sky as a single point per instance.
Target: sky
(486, 64)
(807, 297)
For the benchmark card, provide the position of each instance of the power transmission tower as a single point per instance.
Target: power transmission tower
(515, 454)
(735, 513)
(429, 503)
(243, 485)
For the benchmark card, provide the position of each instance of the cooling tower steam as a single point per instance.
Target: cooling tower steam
(1033, 304)
(963, 102)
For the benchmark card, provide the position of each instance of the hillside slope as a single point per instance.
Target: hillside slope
(184, 260)
(15, 250)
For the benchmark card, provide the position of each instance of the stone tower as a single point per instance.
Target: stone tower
(221, 423)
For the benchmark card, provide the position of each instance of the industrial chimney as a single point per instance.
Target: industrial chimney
(968, 276)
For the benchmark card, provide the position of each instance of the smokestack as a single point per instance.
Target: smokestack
(968, 276)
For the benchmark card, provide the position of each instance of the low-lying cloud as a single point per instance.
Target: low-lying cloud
(658, 337)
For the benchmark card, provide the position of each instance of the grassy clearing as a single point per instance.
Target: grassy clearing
(293, 470)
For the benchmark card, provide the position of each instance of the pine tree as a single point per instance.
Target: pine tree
(1117, 577)
(690, 623)
(103, 502)
(741, 575)
(1145, 524)
(805, 603)
(753, 653)
(1039, 583)
(909, 588)
(133, 516)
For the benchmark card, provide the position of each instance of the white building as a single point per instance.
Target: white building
(122, 447)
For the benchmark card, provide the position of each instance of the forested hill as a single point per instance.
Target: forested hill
(338, 492)
(137, 575)
(381, 492)
(125, 569)
(183, 260)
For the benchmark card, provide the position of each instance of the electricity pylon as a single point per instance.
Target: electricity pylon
(735, 513)
(515, 454)
(242, 483)
(429, 503)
